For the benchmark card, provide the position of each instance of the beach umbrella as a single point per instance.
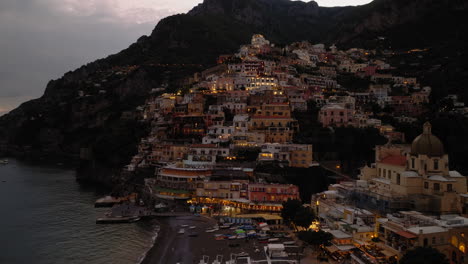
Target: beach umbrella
(240, 231)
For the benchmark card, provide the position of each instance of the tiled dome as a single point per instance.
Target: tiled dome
(427, 144)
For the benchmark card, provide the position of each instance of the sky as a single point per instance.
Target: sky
(43, 39)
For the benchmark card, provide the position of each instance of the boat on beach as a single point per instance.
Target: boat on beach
(4, 162)
(193, 235)
(181, 231)
(225, 226)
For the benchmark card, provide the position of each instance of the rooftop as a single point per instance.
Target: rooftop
(439, 178)
(394, 160)
(339, 234)
(426, 229)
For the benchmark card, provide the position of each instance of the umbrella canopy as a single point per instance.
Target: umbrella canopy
(240, 231)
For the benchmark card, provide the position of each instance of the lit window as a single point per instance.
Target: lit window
(461, 247)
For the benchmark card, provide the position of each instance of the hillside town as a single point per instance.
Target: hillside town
(210, 137)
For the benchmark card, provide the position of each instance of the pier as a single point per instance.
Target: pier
(129, 213)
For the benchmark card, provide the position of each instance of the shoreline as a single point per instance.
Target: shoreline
(151, 256)
(171, 247)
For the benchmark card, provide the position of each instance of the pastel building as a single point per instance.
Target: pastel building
(295, 155)
(272, 115)
(175, 182)
(272, 193)
(336, 115)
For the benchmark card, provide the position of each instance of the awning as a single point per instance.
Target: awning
(360, 242)
(345, 248)
(406, 234)
(332, 249)
(387, 253)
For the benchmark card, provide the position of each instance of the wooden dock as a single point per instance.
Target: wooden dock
(129, 213)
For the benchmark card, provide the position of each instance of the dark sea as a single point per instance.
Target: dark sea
(47, 217)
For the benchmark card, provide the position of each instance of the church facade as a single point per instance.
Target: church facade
(414, 177)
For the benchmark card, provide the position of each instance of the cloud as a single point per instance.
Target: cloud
(330, 3)
(43, 39)
(123, 11)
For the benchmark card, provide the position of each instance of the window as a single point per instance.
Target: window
(426, 185)
(436, 187)
(449, 187)
(433, 240)
(436, 164)
(454, 241)
(461, 247)
(412, 163)
(398, 178)
(425, 243)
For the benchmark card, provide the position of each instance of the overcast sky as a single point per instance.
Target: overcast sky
(42, 39)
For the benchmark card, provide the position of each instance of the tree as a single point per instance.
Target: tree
(290, 207)
(304, 217)
(293, 212)
(247, 153)
(424, 255)
(315, 238)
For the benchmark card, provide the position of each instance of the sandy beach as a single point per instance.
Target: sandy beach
(171, 247)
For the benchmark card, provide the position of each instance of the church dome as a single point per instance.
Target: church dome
(427, 144)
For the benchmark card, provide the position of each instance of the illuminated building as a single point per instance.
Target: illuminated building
(415, 177)
(295, 155)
